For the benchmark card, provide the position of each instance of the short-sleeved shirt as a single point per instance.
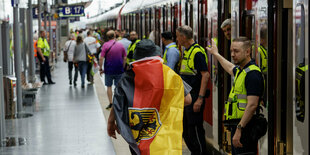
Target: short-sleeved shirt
(92, 45)
(113, 63)
(125, 42)
(200, 65)
(172, 56)
(70, 46)
(254, 81)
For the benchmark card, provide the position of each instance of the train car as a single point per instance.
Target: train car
(279, 28)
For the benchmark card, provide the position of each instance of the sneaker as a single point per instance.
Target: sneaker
(109, 106)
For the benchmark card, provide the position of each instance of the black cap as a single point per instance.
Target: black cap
(146, 48)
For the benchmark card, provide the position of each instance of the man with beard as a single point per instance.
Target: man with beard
(131, 49)
(245, 93)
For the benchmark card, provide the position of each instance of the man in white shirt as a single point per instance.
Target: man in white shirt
(68, 52)
(92, 44)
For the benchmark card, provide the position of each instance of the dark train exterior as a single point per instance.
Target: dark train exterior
(281, 25)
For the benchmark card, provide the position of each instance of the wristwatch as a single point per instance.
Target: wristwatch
(239, 127)
(201, 96)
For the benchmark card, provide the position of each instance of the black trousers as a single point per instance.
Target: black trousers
(249, 148)
(76, 71)
(90, 77)
(45, 69)
(193, 131)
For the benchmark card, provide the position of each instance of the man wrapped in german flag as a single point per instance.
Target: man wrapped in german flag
(148, 104)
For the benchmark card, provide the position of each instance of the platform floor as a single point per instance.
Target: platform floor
(66, 120)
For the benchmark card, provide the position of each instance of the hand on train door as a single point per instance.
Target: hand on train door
(212, 49)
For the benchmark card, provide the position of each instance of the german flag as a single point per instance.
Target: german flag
(148, 105)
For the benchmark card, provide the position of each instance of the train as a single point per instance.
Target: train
(280, 26)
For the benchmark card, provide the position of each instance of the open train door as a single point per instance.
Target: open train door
(300, 77)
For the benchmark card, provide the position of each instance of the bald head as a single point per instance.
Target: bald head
(110, 34)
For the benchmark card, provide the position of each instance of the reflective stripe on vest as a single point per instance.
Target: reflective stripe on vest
(237, 100)
(264, 58)
(46, 48)
(187, 64)
(165, 54)
(130, 52)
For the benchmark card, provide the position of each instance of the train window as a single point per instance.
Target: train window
(301, 66)
(234, 25)
(248, 28)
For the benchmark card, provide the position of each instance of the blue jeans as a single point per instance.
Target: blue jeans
(108, 79)
(83, 70)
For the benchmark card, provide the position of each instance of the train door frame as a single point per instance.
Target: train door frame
(175, 20)
(146, 21)
(300, 140)
(157, 24)
(169, 18)
(142, 24)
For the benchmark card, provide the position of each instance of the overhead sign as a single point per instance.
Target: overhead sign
(71, 11)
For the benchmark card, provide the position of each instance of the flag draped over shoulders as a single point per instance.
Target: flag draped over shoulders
(148, 105)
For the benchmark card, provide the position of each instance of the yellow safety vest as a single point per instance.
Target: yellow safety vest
(264, 58)
(166, 50)
(237, 100)
(187, 64)
(130, 52)
(45, 48)
(300, 91)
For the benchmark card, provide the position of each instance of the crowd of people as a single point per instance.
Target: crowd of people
(123, 58)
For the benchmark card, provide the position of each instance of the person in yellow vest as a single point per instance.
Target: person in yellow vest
(43, 52)
(245, 93)
(131, 49)
(194, 71)
(171, 55)
(263, 50)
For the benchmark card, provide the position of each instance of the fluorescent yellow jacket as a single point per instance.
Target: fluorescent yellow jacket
(130, 51)
(237, 100)
(45, 48)
(187, 64)
(264, 58)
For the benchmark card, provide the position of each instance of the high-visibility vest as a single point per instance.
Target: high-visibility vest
(264, 58)
(45, 48)
(237, 100)
(166, 50)
(187, 64)
(300, 91)
(130, 52)
(35, 47)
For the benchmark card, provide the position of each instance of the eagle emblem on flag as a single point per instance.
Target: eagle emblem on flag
(144, 123)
